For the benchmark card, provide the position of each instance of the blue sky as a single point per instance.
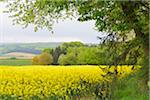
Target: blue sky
(64, 31)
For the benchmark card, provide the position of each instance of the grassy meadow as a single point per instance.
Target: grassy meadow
(15, 62)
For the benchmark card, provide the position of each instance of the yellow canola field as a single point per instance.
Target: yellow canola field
(28, 81)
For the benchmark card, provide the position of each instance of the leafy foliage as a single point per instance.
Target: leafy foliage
(42, 59)
(62, 49)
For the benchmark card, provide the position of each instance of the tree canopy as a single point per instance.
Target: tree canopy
(110, 16)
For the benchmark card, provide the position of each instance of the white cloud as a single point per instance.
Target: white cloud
(64, 31)
(38, 39)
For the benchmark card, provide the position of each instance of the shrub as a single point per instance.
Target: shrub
(35, 60)
(13, 58)
(69, 59)
(42, 59)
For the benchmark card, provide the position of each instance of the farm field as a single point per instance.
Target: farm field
(43, 82)
(18, 55)
(15, 62)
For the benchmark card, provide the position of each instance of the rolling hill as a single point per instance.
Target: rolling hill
(32, 48)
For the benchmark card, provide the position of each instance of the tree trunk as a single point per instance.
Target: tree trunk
(131, 18)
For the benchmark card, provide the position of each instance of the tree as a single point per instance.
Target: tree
(48, 50)
(118, 19)
(42, 59)
(69, 59)
(56, 52)
(72, 44)
(70, 56)
(84, 56)
(66, 49)
(89, 56)
(35, 60)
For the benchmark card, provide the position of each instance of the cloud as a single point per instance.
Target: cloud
(64, 31)
(39, 39)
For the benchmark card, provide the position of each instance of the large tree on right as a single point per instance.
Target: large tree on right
(127, 25)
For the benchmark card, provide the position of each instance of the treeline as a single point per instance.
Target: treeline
(77, 53)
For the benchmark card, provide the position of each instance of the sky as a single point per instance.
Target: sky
(64, 31)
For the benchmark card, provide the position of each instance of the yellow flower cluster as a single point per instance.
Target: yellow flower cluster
(44, 81)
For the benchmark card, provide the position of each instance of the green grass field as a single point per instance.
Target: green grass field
(15, 62)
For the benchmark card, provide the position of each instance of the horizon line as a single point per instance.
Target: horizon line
(47, 42)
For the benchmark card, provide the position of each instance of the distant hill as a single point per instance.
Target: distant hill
(33, 48)
(17, 55)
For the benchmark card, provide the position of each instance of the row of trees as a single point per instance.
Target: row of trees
(54, 54)
(76, 53)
